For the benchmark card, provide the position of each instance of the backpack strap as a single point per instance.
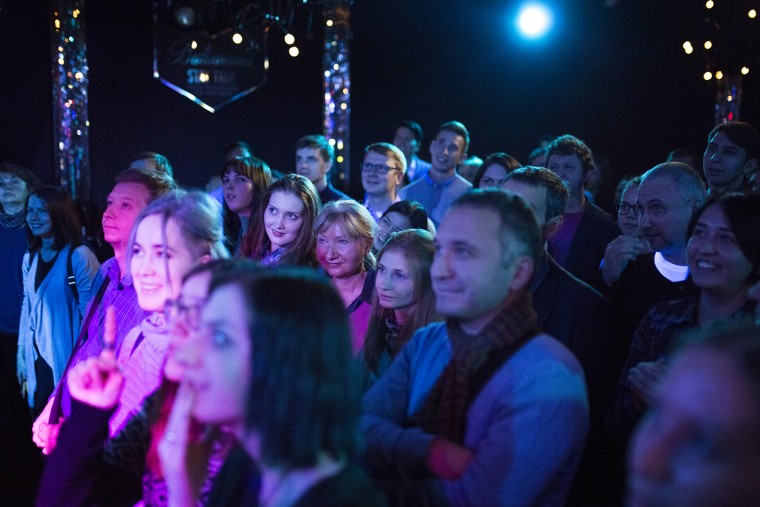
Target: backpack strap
(70, 278)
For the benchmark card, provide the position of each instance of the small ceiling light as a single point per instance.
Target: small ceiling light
(237, 38)
(293, 51)
(719, 75)
(707, 75)
(752, 13)
(289, 39)
(708, 44)
(688, 48)
(710, 4)
(745, 70)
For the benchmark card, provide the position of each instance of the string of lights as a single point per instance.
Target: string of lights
(70, 82)
(337, 84)
(725, 45)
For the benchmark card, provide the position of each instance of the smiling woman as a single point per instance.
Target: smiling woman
(172, 235)
(723, 254)
(345, 233)
(51, 312)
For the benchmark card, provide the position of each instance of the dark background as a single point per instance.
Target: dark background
(613, 76)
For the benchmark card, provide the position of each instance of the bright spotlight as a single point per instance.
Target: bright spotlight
(237, 38)
(293, 51)
(534, 20)
(289, 39)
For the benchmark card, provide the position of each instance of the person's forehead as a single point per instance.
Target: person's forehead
(397, 219)
(132, 190)
(630, 193)
(376, 158)
(721, 139)
(570, 158)
(11, 178)
(661, 188)
(450, 137)
(405, 133)
(309, 152)
(708, 386)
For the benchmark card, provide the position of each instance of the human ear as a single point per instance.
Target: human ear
(524, 268)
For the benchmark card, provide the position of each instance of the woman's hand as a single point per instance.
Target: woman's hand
(184, 457)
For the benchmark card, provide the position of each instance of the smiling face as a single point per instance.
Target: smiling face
(283, 218)
(123, 204)
(221, 375)
(725, 164)
(185, 326)
(377, 184)
(394, 282)
(716, 262)
(38, 218)
(470, 274)
(238, 192)
(339, 255)
(446, 151)
(700, 444)
(157, 268)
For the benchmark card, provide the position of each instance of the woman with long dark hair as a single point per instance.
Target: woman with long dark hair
(282, 234)
(403, 300)
(278, 371)
(244, 180)
(58, 272)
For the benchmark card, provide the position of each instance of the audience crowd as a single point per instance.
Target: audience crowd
(469, 332)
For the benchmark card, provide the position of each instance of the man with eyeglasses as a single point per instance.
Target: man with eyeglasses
(441, 186)
(383, 171)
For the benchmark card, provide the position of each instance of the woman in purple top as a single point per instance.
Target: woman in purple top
(345, 233)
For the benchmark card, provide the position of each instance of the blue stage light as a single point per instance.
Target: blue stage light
(534, 20)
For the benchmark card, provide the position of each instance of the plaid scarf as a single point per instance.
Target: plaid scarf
(445, 410)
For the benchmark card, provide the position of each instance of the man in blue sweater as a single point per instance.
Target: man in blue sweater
(482, 409)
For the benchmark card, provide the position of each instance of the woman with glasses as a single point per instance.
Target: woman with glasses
(631, 243)
(383, 171)
(87, 469)
(494, 170)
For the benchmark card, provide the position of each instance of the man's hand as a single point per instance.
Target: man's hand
(448, 460)
(618, 254)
